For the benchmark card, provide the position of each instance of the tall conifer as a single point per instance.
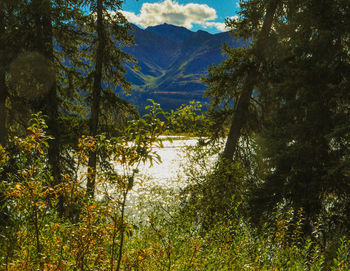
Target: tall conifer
(111, 32)
(306, 134)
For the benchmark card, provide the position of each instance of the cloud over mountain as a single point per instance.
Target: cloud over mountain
(172, 12)
(220, 26)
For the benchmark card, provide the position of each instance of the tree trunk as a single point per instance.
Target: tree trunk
(3, 118)
(239, 119)
(44, 45)
(3, 87)
(52, 99)
(96, 97)
(3, 110)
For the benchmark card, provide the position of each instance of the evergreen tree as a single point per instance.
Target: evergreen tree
(238, 80)
(306, 134)
(299, 75)
(111, 32)
(42, 63)
(3, 87)
(12, 35)
(245, 66)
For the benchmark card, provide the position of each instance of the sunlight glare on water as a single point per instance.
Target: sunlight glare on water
(153, 181)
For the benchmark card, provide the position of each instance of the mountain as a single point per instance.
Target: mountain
(172, 59)
(175, 33)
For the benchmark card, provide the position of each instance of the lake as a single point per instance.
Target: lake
(155, 184)
(161, 183)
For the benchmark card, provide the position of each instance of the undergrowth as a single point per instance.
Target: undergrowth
(97, 234)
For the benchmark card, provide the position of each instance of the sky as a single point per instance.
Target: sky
(208, 15)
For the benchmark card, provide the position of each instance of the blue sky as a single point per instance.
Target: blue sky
(208, 15)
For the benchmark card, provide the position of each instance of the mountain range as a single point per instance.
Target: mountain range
(172, 60)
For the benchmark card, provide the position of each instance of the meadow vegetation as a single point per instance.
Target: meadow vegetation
(183, 231)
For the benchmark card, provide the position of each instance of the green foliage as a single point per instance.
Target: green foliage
(168, 240)
(189, 119)
(342, 261)
(96, 234)
(283, 204)
(211, 195)
(296, 120)
(78, 240)
(304, 139)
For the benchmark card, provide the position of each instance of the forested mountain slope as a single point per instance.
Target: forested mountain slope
(172, 59)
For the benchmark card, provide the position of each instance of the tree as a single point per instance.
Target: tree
(246, 66)
(44, 44)
(11, 37)
(259, 50)
(41, 62)
(3, 87)
(298, 73)
(112, 33)
(305, 137)
(235, 81)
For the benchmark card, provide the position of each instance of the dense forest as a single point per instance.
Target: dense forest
(277, 197)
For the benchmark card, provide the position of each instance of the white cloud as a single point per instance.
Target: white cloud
(236, 17)
(220, 26)
(171, 12)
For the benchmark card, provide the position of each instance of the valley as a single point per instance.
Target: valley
(171, 62)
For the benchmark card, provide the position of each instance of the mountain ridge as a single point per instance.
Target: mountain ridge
(175, 33)
(172, 60)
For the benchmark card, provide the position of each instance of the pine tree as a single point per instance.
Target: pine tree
(3, 87)
(247, 80)
(42, 70)
(107, 56)
(299, 76)
(305, 137)
(11, 36)
(238, 81)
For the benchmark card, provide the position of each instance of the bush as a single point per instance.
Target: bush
(207, 231)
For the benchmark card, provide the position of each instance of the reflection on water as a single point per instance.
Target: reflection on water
(159, 185)
(156, 183)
